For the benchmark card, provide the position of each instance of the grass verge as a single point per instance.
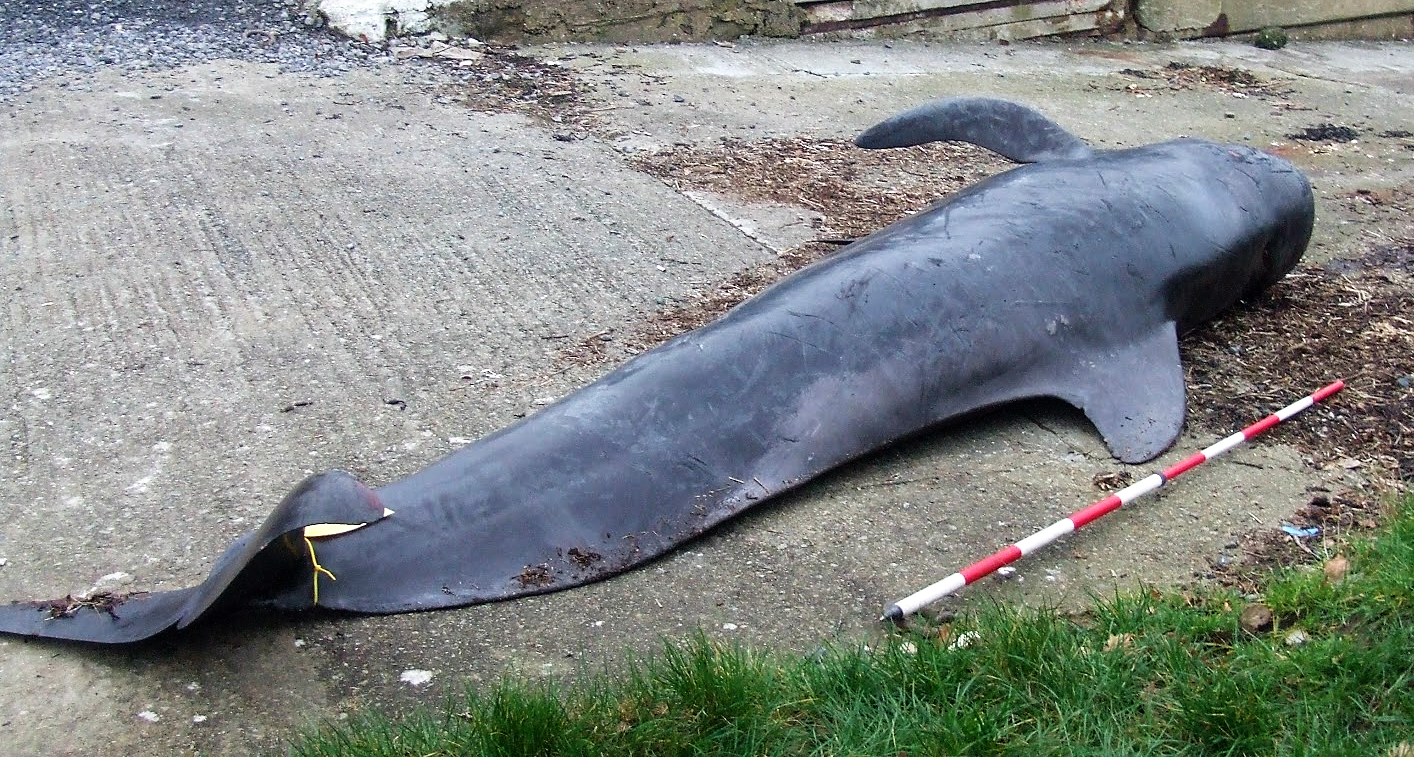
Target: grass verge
(1331, 673)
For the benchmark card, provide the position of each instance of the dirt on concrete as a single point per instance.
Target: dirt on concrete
(256, 276)
(1176, 75)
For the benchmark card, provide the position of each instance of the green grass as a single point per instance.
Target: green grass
(1146, 674)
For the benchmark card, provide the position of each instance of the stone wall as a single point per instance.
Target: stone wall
(1222, 17)
(683, 20)
(618, 20)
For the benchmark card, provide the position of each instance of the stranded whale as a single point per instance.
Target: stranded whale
(1070, 277)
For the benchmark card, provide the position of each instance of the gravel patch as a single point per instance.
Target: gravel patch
(69, 39)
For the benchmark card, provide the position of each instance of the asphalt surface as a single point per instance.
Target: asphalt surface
(226, 272)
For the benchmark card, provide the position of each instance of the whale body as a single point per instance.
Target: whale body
(1069, 277)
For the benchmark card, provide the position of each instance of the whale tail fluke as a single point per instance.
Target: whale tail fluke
(1009, 129)
(279, 555)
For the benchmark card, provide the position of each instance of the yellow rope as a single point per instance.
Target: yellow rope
(317, 569)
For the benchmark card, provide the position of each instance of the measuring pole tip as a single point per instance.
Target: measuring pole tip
(894, 614)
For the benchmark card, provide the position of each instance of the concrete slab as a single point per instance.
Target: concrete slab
(218, 277)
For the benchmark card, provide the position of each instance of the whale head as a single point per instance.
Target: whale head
(1285, 197)
(1250, 215)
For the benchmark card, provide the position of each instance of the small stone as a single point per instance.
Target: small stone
(149, 716)
(1297, 638)
(1336, 568)
(110, 582)
(416, 678)
(460, 53)
(1256, 618)
(1119, 641)
(965, 640)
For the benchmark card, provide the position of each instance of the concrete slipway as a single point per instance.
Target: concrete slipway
(218, 279)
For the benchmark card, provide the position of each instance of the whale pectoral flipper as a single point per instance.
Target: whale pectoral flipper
(1009, 129)
(1135, 396)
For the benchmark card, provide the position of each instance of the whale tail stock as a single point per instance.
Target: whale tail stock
(1009, 129)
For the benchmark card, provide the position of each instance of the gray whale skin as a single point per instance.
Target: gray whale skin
(1068, 277)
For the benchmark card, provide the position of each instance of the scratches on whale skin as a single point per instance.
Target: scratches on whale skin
(883, 274)
(799, 340)
(820, 318)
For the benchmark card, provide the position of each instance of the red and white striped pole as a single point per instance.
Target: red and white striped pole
(914, 602)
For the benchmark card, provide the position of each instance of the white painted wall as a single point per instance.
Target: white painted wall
(368, 19)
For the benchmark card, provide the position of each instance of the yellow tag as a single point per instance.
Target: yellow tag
(324, 530)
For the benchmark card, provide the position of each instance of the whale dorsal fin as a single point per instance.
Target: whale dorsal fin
(1011, 130)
